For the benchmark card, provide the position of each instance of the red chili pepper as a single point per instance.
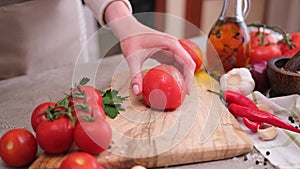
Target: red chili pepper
(253, 126)
(235, 97)
(260, 116)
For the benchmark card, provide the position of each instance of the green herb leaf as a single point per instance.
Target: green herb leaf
(111, 111)
(112, 102)
(84, 81)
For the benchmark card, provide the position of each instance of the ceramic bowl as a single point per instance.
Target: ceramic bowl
(282, 82)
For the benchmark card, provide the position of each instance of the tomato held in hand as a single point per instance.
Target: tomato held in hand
(80, 160)
(194, 51)
(55, 136)
(93, 136)
(163, 87)
(89, 96)
(18, 147)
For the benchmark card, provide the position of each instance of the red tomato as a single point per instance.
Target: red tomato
(91, 97)
(264, 53)
(292, 52)
(55, 136)
(263, 47)
(163, 87)
(93, 136)
(38, 116)
(80, 160)
(18, 147)
(295, 40)
(194, 51)
(258, 37)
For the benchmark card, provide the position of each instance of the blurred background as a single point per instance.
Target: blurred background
(204, 13)
(76, 26)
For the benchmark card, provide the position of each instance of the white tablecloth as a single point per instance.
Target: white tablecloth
(284, 150)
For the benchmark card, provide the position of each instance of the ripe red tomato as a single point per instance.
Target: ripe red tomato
(291, 52)
(261, 39)
(163, 87)
(55, 136)
(38, 116)
(295, 41)
(91, 97)
(263, 47)
(18, 147)
(264, 53)
(93, 136)
(194, 51)
(80, 160)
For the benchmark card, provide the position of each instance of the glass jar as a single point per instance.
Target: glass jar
(229, 39)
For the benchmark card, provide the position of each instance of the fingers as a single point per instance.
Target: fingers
(135, 62)
(188, 78)
(187, 64)
(170, 52)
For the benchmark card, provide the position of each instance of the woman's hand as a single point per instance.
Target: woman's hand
(139, 42)
(159, 46)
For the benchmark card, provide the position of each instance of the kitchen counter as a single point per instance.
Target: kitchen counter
(19, 96)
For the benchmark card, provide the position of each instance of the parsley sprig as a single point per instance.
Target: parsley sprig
(112, 102)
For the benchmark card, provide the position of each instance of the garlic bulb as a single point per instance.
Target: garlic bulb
(238, 80)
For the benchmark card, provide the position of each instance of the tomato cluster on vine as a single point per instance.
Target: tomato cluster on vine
(264, 46)
(78, 119)
(76, 123)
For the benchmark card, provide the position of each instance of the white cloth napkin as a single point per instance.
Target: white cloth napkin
(283, 151)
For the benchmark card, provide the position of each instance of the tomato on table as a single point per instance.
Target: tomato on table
(263, 47)
(18, 147)
(259, 38)
(290, 45)
(291, 52)
(55, 136)
(93, 136)
(39, 115)
(80, 160)
(264, 53)
(89, 96)
(194, 51)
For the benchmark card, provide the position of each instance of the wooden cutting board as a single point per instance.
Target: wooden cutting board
(200, 130)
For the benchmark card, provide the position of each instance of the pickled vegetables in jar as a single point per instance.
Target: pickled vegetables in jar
(230, 39)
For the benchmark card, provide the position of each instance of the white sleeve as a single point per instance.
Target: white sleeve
(98, 7)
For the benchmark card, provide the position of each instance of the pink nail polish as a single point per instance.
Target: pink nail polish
(135, 89)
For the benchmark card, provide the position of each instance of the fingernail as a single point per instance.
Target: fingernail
(136, 89)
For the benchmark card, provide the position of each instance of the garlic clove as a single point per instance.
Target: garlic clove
(268, 133)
